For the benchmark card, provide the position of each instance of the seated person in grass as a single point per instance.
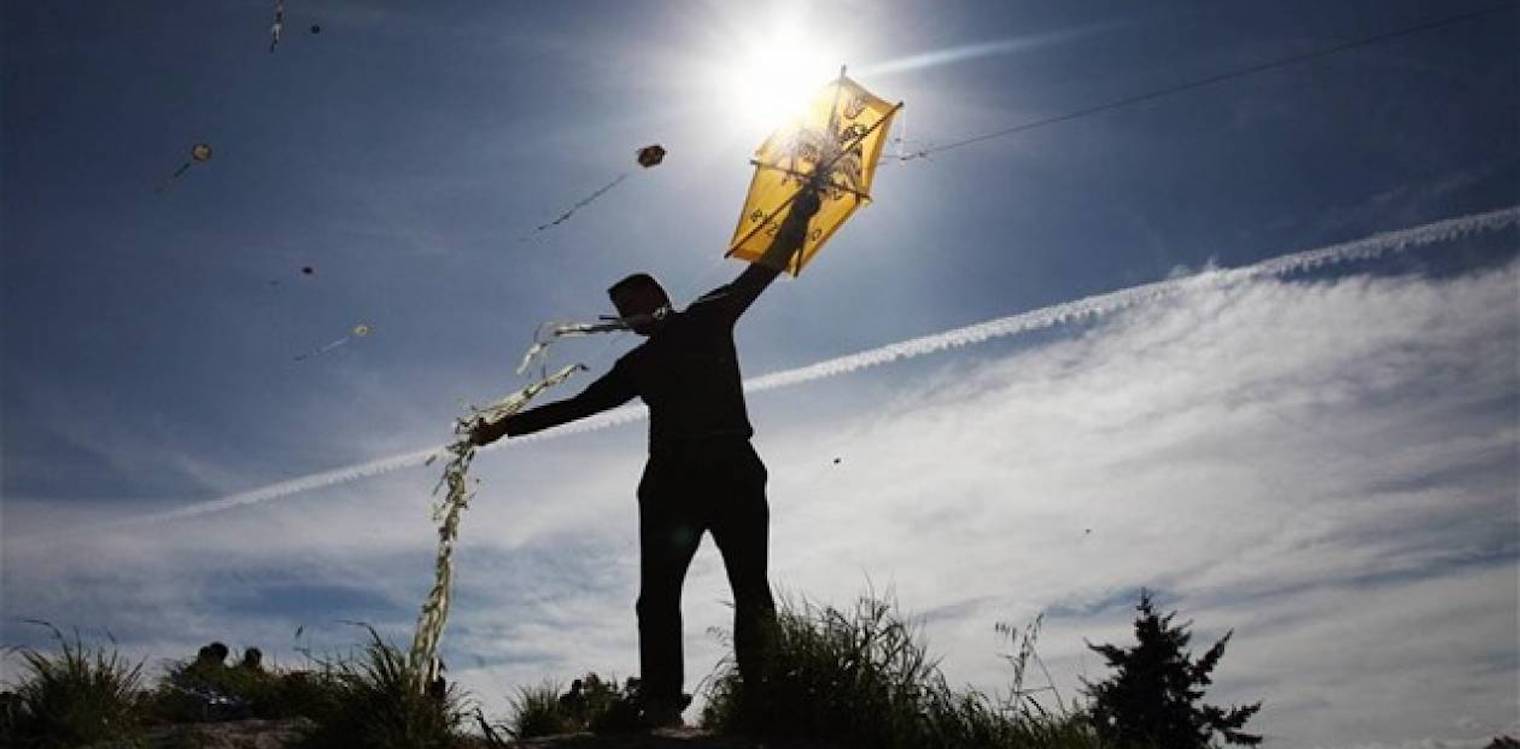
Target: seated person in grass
(211, 656)
(702, 474)
(253, 659)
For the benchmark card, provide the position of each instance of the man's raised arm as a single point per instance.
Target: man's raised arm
(739, 295)
(609, 391)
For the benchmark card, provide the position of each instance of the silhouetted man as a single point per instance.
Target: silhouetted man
(702, 474)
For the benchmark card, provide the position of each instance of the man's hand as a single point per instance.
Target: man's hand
(483, 434)
(806, 204)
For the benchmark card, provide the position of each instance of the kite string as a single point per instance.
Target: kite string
(583, 202)
(1205, 82)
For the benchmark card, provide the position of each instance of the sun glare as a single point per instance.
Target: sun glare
(766, 85)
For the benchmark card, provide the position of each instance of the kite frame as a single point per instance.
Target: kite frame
(832, 185)
(793, 263)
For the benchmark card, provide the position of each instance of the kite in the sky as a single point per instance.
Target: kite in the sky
(834, 147)
(200, 153)
(359, 331)
(279, 24)
(306, 270)
(651, 155)
(647, 157)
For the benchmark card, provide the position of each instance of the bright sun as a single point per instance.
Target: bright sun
(764, 86)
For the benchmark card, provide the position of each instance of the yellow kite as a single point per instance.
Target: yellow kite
(834, 144)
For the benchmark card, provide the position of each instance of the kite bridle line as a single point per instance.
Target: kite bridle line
(815, 179)
(924, 153)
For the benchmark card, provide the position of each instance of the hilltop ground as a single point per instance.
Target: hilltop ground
(283, 734)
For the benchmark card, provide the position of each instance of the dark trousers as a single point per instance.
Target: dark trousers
(715, 485)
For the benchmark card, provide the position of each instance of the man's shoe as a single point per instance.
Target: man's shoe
(657, 713)
(668, 717)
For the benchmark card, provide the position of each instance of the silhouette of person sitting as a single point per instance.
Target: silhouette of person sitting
(702, 474)
(253, 660)
(211, 656)
(573, 702)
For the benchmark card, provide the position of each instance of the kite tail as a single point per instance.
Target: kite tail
(169, 181)
(541, 341)
(582, 203)
(423, 658)
(324, 349)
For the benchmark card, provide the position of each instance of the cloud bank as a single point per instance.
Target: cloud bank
(1081, 310)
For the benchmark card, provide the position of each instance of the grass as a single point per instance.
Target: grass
(863, 677)
(601, 706)
(859, 676)
(82, 694)
(536, 711)
(371, 701)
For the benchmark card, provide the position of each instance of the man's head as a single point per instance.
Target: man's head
(641, 301)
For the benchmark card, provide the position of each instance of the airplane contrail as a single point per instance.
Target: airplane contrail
(1082, 309)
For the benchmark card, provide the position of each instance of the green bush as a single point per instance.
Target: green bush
(81, 695)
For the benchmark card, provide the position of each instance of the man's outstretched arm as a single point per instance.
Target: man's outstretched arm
(739, 295)
(608, 391)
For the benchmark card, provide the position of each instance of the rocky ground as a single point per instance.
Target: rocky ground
(675, 738)
(286, 734)
(236, 734)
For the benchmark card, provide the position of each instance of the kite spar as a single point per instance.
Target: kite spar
(833, 147)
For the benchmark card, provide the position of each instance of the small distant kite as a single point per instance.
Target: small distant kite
(833, 147)
(279, 24)
(306, 270)
(651, 155)
(359, 331)
(200, 153)
(647, 157)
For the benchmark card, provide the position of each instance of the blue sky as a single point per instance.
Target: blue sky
(1357, 477)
